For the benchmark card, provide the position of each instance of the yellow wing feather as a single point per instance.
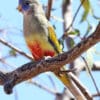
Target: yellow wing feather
(53, 38)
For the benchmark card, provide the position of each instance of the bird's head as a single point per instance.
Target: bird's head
(25, 6)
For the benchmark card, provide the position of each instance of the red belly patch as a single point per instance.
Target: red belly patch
(49, 53)
(37, 51)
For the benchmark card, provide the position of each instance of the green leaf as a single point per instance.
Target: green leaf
(86, 5)
(89, 27)
(89, 57)
(61, 42)
(12, 52)
(72, 43)
(74, 32)
(84, 16)
(87, 9)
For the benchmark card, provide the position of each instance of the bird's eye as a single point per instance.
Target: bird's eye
(26, 5)
(27, 2)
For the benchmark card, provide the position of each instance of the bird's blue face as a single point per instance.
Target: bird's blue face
(24, 5)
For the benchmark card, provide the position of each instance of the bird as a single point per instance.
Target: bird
(40, 35)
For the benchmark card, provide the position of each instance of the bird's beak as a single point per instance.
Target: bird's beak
(19, 8)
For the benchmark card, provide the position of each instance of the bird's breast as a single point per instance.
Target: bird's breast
(40, 46)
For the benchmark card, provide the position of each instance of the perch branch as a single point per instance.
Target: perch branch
(32, 69)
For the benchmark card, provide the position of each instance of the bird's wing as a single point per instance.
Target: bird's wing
(53, 40)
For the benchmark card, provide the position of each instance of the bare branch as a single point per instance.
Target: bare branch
(93, 80)
(96, 66)
(67, 16)
(14, 48)
(96, 95)
(49, 7)
(43, 87)
(81, 66)
(65, 95)
(29, 70)
(81, 86)
(67, 13)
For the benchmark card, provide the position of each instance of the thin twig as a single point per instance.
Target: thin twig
(43, 87)
(52, 81)
(77, 11)
(14, 48)
(6, 63)
(91, 75)
(96, 95)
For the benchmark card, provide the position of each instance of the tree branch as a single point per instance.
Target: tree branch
(81, 86)
(49, 7)
(14, 48)
(29, 70)
(96, 66)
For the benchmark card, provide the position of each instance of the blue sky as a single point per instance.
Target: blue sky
(11, 20)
